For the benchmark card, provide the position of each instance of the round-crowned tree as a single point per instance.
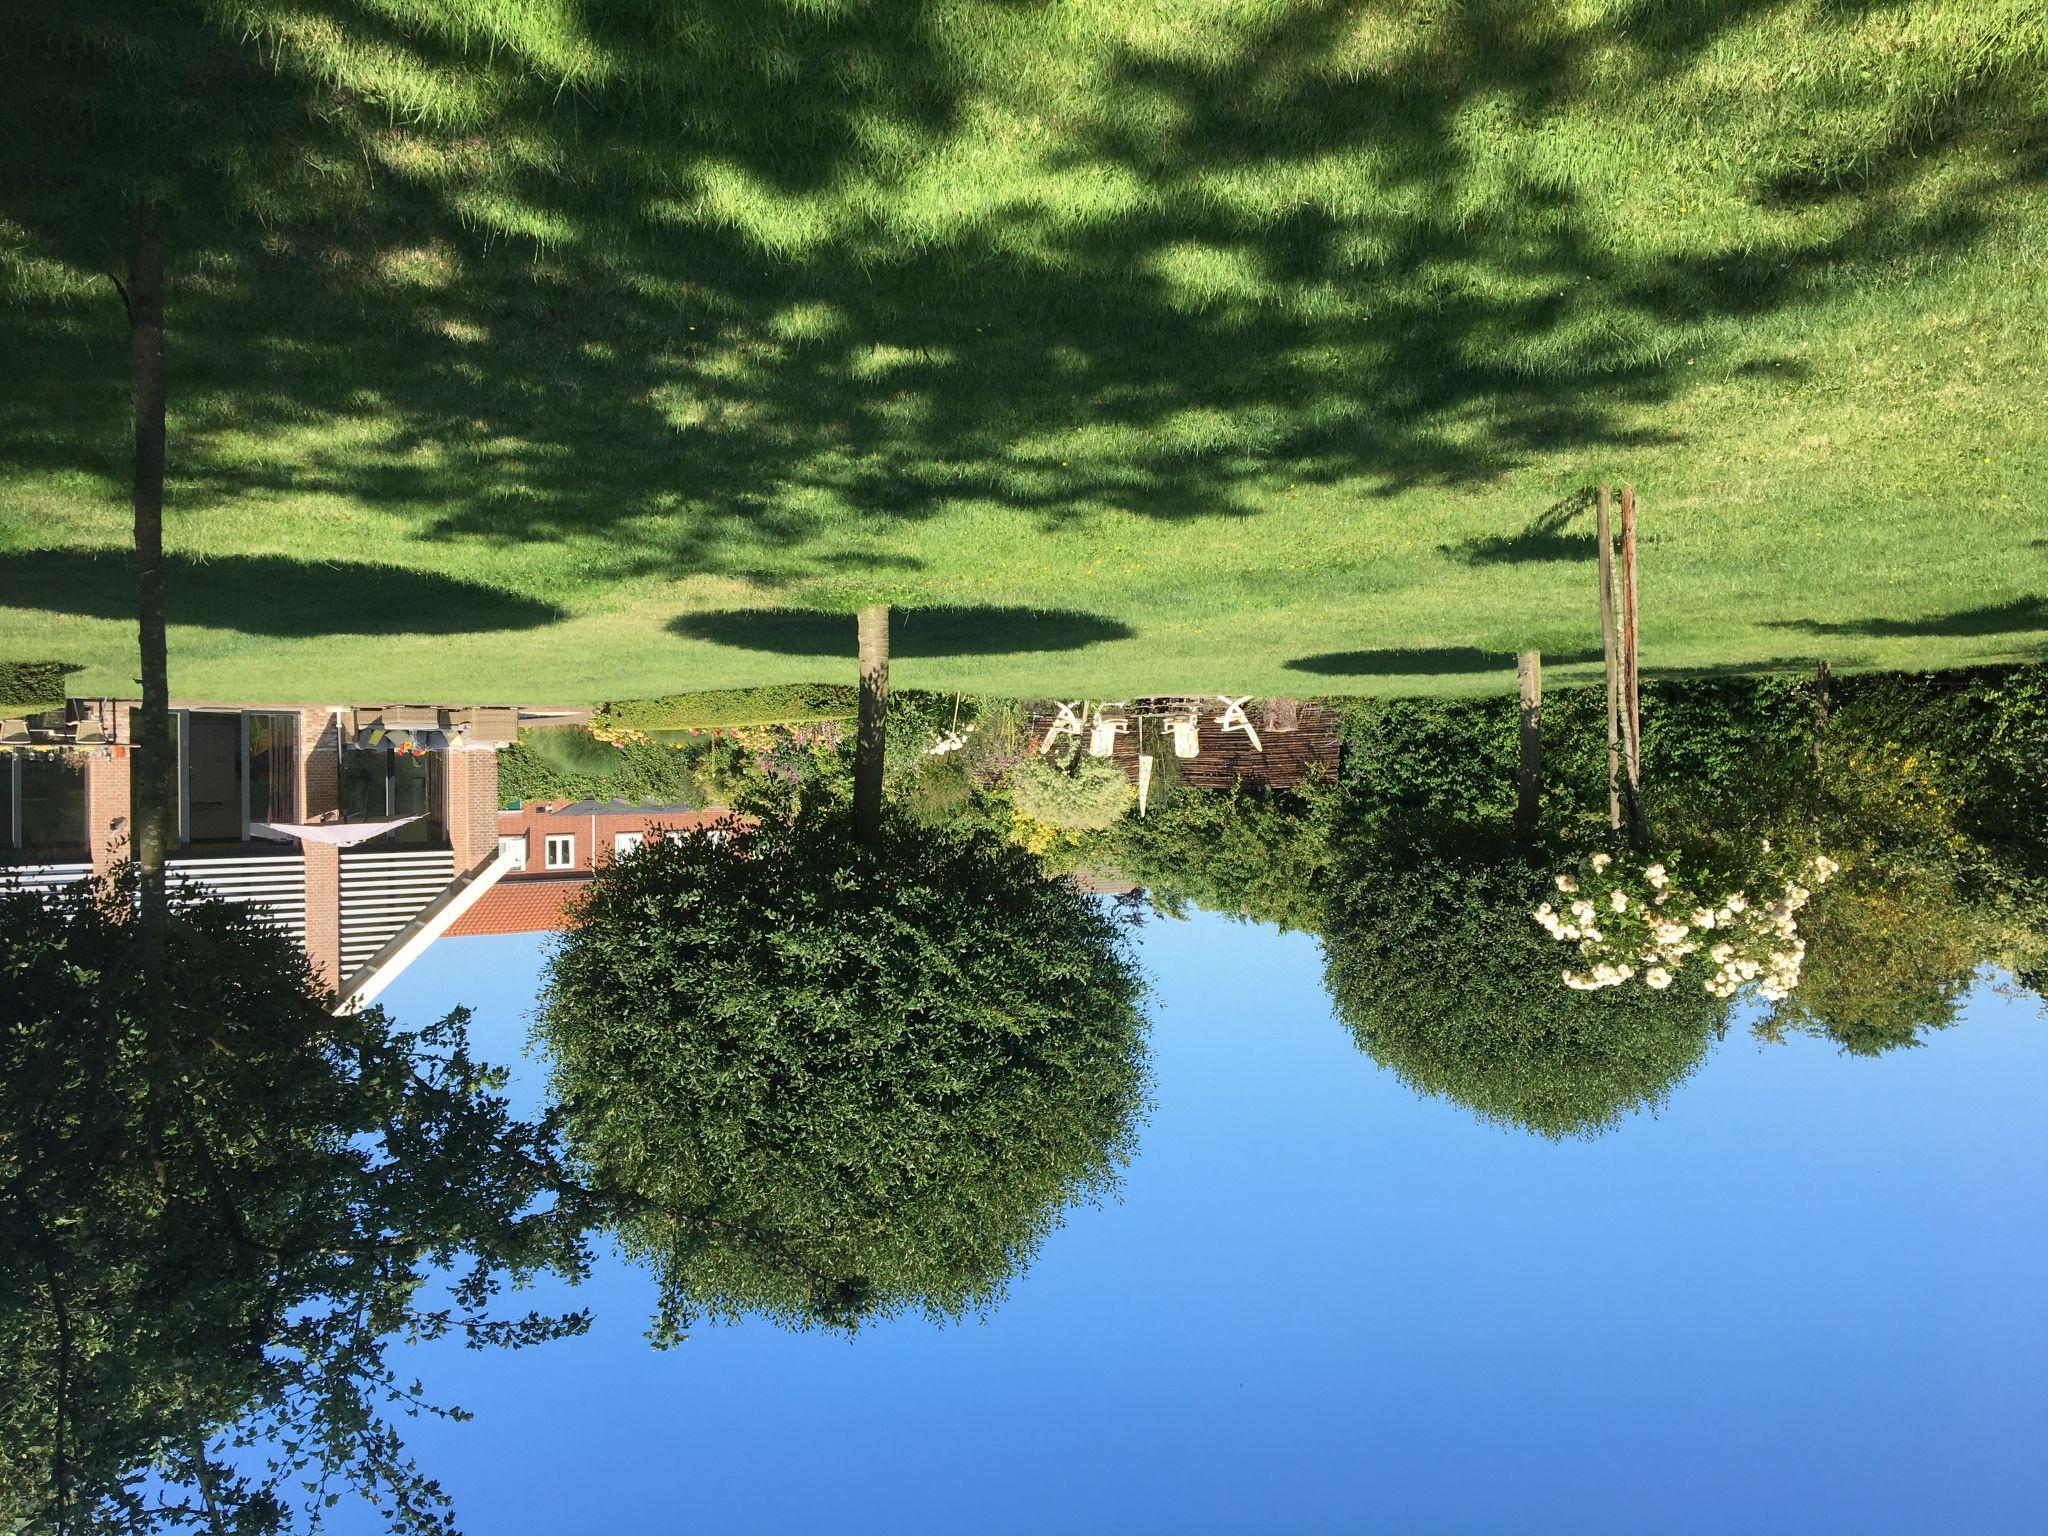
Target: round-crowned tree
(827, 1077)
(1435, 966)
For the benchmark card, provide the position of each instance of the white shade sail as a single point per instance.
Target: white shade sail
(342, 834)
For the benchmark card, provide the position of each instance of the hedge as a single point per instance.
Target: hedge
(778, 705)
(29, 686)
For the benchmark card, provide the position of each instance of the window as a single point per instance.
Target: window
(42, 803)
(514, 850)
(561, 852)
(379, 786)
(624, 843)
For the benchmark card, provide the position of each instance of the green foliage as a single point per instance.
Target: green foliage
(829, 1082)
(1078, 794)
(1891, 955)
(733, 706)
(1434, 965)
(568, 763)
(1265, 857)
(218, 1206)
(28, 687)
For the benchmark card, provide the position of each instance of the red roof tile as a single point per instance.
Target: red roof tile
(520, 904)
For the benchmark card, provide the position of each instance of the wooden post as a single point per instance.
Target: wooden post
(1604, 527)
(1821, 674)
(870, 739)
(1529, 784)
(1631, 671)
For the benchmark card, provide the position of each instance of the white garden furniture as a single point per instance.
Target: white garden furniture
(1233, 718)
(1066, 723)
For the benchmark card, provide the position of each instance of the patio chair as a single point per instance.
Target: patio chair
(1103, 734)
(1233, 718)
(1185, 731)
(1066, 723)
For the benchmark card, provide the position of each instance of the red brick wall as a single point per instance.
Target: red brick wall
(323, 911)
(107, 783)
(536, 822)
(472, 813)
(319, 772)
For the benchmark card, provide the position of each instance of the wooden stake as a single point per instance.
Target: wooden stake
(1631, 654)
(1631, 673)
(1529, 786)
(870, 742)
(1604, 530)
(1821, 673)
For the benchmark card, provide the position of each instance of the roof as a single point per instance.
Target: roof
(520, 904)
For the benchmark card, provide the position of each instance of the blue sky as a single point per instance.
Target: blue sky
(1805, 1297)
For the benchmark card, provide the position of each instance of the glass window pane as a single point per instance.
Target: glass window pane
(365, 784)
(273, 753)
(52, 803)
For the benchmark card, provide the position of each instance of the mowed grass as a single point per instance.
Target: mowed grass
(523, 351)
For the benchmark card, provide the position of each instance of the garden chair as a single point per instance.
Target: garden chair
(1066, 723)
(1185, 732)
(1102, 736)
(1234, 718)
(14, 733)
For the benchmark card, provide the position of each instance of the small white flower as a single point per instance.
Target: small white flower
(1657, 978)
(1618, 900)
(1601, 861)
(1567, 883)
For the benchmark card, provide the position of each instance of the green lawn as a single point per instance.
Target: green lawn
(524, 351)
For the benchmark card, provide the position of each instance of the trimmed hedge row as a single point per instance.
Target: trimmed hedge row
(778, 705)
(26, 686)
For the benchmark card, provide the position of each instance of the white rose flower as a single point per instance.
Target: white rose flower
(1657, 978)
(1601, 861)
(1618, 900)
(1567, 883)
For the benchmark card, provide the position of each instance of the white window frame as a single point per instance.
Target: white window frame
(624, 843)
(566, 843)
(512, 847)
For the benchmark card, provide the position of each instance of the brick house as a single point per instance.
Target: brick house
(553, 846)
(246, 777)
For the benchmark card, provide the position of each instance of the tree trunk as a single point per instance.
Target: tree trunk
(869, 739)
(1529, 784)
(155, 773)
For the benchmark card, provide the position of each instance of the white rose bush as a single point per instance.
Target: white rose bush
(1652, 924)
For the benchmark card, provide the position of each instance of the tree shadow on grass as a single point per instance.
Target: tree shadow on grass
(914, 633)
(2023, 616)
(1424, 661)
(1549, 537)
(662, 337)
(268, 595)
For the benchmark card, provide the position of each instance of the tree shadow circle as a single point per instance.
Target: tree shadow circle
(913, 632)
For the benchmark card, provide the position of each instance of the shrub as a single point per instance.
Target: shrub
(732, 706)
(570, 764)
(29, 686)
(1081, 794)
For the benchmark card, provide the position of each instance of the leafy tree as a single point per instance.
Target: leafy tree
(841, 1065)
(834, 1078)
(1263, 856)
(218, 1204)
(1887, 960)
(1433, 963)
